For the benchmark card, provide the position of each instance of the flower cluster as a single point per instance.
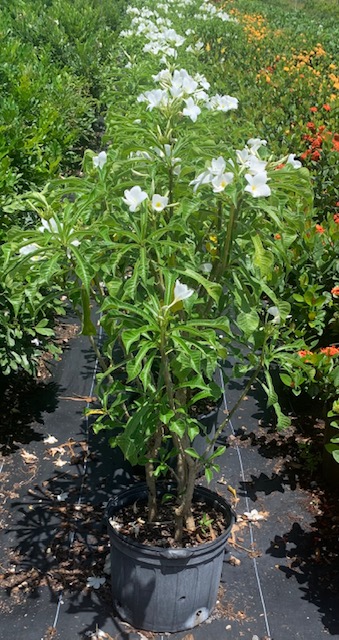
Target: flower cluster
(180, 87)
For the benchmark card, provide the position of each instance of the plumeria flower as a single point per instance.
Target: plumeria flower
(28, 249)
(255, 165)
(222, 103)
(296, 164)
(155, 98)
(100, 160)
(191, 110)
(202, 81)
(181, 292)
(256, 143)
(36, 342)
(134, 197)
(48, 225)
(217, 166)
(274, 311)
(219, 183)
(257, 185)
(159, 202)
(202, 178)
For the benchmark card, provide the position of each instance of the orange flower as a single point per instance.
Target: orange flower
(326, 107)
(281, 166)
(314, 109)
(277, 236)
(335, 291)
(330, 351)
(311, 126)
(319, 228)
(304, 352)
(336, 218)
(317, 142)
(305, 154)
(335, 142)
(315, 156)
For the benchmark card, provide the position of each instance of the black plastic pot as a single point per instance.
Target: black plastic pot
(165, 589)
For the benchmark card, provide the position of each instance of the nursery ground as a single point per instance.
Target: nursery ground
(281, 572)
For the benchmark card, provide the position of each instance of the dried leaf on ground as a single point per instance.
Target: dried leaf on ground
(53, 451)
(60, 462)
(28, 458)
(234, 561)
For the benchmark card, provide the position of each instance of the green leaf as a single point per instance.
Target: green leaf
(82, 269)
(208, 475)
(262, 258)
(283, 421)
(248, 322)
(192, 452)
(213, 289)
(272, 398)
(129, 336)
(286, 379)
(88, 328)
(134, 365)
(178, 427)
(145, 374)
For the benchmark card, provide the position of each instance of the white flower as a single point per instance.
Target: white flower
(35, 341)
(222, 103)
(274, 311)
(95, 582)
(202, 81)
(219, 183)
(206, 267)
(296, 164)
(256, 143)
(48, 225)
(155, 98)
(191, 110)
(217, 166)
(255, 165)
(134, 197)
(100, 160)
(29, 248)
(202, 178)
(243, 156)
(181, 292)
(257, 185)
(159, 202)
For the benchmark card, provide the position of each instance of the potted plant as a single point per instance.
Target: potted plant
(165, 236)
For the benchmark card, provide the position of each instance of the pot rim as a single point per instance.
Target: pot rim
(175, 552)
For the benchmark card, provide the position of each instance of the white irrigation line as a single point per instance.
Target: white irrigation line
(251, 530)
(72, 535)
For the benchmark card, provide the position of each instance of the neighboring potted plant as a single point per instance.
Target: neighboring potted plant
(165, 234)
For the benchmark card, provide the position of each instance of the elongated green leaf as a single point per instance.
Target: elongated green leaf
(82, 269)
(262, 258)
(88, 328)
(213, 288)
(129, 336)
